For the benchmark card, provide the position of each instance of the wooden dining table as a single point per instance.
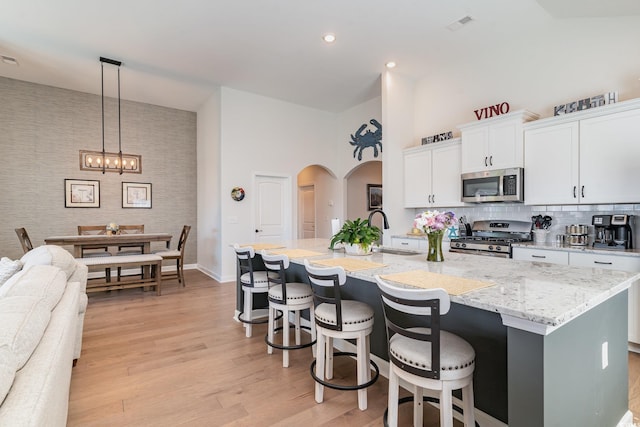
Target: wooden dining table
(80, 241)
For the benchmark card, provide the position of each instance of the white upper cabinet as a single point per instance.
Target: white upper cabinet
(589, 157)
(610, 158)
(417, 178)
(432, 175)
(494, 143)
(551, 173)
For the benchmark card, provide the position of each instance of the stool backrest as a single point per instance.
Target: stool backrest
(325, 284)
(245, 256)
(279, 264)
(404, 310)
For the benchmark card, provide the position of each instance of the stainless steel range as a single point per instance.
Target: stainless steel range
(493, 237)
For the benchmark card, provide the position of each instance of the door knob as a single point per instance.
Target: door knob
(258, 231)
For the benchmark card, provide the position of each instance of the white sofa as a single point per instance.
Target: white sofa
(42, 309)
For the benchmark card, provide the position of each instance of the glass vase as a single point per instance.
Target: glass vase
(435, 246)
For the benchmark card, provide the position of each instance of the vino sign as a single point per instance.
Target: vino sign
(492, 110)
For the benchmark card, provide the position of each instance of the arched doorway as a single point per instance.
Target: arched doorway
(318, 191)
(356, 190)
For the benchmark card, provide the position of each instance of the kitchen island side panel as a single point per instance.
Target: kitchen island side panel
(559, 380)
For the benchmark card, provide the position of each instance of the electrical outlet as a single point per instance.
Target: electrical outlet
(605, 354)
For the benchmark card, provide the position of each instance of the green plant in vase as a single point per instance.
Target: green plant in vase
(434, 223)
(358, 235)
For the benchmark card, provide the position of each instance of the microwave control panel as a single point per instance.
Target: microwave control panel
(510, 185)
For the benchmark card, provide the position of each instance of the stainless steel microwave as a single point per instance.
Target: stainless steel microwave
(500, 185)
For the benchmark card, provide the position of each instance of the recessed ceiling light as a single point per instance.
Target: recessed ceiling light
(390, 64)
(329, 38)
(9, 60)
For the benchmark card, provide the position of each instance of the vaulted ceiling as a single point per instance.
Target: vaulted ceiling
(175, 53)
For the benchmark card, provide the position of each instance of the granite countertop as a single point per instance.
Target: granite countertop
(582, 249)
(542, 293)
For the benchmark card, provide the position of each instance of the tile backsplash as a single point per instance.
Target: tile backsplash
(562, 215)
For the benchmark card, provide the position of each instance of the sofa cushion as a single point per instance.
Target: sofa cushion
(24, 320)
(7, 370)
(8, 268)
(44, 282)
(50, 255)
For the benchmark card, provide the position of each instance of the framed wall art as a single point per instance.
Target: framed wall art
(374, 196)
(81, 193)
(136, 195)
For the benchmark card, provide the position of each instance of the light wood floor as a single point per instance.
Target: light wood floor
(180, 359)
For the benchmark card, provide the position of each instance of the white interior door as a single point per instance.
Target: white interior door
(307, 212)
(273, 208)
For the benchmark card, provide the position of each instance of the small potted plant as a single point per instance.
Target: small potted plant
(357, 236)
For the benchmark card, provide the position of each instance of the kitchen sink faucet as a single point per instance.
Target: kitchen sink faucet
(385, 223)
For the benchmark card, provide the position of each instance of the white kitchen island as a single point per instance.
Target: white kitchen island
(550, 340)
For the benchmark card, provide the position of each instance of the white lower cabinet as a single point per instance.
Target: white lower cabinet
(593, 260)
(541, 255)
(415, 244)
(616, 262)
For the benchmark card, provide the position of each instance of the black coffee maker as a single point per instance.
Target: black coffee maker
(613, 231)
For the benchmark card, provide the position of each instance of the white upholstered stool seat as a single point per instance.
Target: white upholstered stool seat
(286, 298)
(457, 357)
(425, 357)
(259, 279)
(338, 318)
(356, 315)
(297, 293)
(252, 282)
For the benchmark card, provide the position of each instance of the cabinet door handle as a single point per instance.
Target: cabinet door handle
(574, 191)
(485, 161)
(490, 160)
(433, 198)
(582, 191)
(602, 262)
(429, 198)
(404, 243)
(538, 256)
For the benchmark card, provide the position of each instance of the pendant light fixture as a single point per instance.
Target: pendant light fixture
(103, 161)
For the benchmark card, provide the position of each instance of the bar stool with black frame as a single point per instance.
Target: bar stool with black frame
(343, 319)
(253, 282)
(284, 298)
(424, 355)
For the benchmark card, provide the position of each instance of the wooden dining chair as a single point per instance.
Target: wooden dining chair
(25, 241)
(131, 248)
(93, 250)
(177, 255)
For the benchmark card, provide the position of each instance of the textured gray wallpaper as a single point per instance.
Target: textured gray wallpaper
(42, 129)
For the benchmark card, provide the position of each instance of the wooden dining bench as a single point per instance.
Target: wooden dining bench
(150, 262)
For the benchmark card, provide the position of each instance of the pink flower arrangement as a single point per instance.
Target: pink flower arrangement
(435, 221)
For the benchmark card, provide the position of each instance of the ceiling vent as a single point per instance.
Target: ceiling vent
(454, 26)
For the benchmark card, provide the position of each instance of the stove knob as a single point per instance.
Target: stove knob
(464, 245)
(498, 248)
(490, 247)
